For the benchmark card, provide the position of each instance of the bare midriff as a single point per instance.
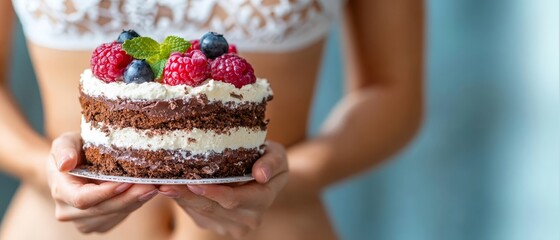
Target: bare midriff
(292, 76)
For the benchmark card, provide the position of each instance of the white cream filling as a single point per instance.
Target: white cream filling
(214, 90)
(197, 141)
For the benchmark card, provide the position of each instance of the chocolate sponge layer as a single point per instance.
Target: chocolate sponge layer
(170, 164)
(192, 113)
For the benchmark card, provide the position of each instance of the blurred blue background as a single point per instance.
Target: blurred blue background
(485, 164)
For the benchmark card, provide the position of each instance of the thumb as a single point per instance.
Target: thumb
(66, 150)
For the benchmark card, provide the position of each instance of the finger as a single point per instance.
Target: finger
(223, 226)
(124, 203)
(224, 195)
(74, 192)
(99, 224)
(187, 199)
(56, 178)
(90, 225)
(272, 163)
(52, 170)
(236, 224)
(183, 195)
(210, 215)
(66, 150)
(112, 223)
(252, 195)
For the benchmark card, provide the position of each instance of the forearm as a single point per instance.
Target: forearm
(23, 149)
(383, 50)
(366, 127)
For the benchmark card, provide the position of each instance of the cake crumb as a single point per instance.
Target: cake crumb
(105, 129)
(237, 96)
(172, 105)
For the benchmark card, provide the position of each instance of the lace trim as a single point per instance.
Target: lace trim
(253, 25)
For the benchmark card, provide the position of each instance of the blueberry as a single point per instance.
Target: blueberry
(126, 35)
(213, 45)
(138, 71)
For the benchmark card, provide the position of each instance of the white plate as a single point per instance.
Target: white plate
(80, 172)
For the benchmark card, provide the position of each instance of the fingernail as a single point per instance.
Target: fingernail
(123, 187)
(196, 189)
(266, 173)
(148, 196)
(170, 193)
(64, 160)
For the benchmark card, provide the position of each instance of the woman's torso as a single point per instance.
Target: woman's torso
(291, 71)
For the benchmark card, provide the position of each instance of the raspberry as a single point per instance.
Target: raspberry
(233, 69)
(109, 61)
(189, 68)
(195, 45)
(232, 48)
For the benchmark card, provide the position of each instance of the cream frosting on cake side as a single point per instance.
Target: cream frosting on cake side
(196, 141)
(212, 89)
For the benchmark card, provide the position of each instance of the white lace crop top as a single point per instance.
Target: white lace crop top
(253, 25)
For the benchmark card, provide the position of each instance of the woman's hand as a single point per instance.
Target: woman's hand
(235, 210)
(93, 206)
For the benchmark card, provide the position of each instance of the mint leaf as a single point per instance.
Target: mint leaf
(164, 50)
(141, 47)
(176, 44)
(153, 59)
(158, 67)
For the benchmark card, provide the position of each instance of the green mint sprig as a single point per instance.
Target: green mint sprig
(154, 53)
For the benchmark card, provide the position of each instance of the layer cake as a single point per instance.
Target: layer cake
(150, 129)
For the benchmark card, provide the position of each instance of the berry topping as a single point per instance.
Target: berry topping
(233, 69)
(138, 71)
(126, 35)
(109, 61)
(195, 45)
(232, 48)
(213, 45)
(189, 68)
